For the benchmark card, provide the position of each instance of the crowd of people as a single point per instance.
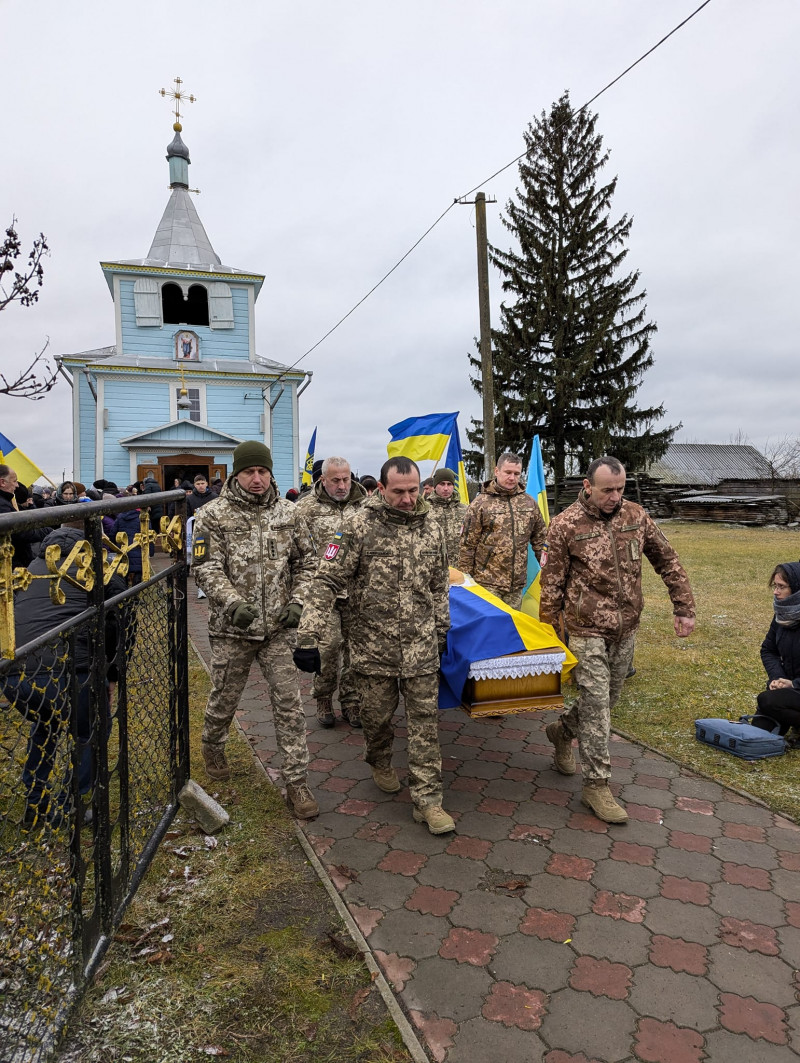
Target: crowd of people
(348, 579)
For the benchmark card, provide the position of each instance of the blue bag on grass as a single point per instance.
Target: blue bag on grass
(740, 738)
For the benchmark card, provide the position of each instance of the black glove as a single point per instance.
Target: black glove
(243, 615)
(307, 660)
(290, 615)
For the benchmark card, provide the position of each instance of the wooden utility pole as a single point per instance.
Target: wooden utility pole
(480, 202)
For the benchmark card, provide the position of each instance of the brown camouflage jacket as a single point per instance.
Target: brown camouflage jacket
(449, 514)
(324, 515)
(592, 569)
(497, 529)
(394, 566)
(255, 549)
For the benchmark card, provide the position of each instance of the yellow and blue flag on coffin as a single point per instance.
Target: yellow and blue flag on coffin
(309, 464)
(537, 489)
(483, 626)
(421, 438)
(26, 471)
(455, 461)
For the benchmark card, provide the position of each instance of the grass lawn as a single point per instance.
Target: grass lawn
(718, 670)
(226, 951)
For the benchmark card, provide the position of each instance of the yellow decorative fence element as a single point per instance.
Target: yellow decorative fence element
(81, 560)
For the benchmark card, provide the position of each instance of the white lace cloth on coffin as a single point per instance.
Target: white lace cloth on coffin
(517, 667)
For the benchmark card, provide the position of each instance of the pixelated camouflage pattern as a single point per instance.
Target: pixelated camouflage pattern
(599, 675)
(379, 696)
(449, 514)
(593, 569)
(255, 549)
(393, 564)
(324, 515)
(230, 666)
(498, 526)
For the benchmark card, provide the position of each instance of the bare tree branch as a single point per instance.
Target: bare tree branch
(30, 384)
(39, 377)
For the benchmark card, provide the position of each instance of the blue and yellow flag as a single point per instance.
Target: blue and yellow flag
(309, 465)
(537, 489)
(455, 461)
(26, 471)
(482, 626)
(421, 438)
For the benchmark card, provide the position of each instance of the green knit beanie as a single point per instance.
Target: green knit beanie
(249, 454)
(443, 476)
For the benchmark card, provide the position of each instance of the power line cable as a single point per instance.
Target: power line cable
(491, 177)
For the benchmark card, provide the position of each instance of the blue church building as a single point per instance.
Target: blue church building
(182, 384)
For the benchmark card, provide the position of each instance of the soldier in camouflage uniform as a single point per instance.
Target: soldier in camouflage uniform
(499, 525)
(592, 571)
(253, 557)
(448, 510)
(324, 510)
(391, 559)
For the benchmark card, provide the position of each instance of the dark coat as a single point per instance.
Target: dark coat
(35, 614)
(780, 653)
(195, 500)
(129, 523)
(150, 487)
(24, 542)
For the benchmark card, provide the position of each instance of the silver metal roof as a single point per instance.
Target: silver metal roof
(106, 357)
(180, 236)
(708, 463)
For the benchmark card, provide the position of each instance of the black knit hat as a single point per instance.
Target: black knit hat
(249, 454)
(444, 476)
(792, 570)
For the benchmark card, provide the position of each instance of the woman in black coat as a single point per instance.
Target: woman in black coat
(780, 653)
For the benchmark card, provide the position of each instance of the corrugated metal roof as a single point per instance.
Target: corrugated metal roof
(708, 463)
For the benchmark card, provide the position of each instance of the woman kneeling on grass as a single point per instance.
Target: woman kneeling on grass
(780, 654)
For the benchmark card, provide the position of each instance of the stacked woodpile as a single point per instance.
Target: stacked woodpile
(741, 509)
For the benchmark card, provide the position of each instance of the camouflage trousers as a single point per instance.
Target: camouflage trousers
(333, 647)
(230, 666)
(599, 675)
(379, 695)
(511, 598)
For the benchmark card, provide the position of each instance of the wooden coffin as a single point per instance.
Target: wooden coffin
(500, 697)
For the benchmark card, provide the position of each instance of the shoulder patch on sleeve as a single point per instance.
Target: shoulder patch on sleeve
(543, 559)
(199, 549)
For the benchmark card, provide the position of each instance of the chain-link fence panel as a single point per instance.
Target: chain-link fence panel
(93, 752)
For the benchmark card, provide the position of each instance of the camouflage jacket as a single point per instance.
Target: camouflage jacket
(255, 549)
(394, 566)
(592, 569)
(497, 529)
(449, 513)
(324, 515)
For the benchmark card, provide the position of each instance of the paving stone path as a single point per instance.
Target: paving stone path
(537, 934)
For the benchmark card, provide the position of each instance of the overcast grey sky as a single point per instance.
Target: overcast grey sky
(326, 138)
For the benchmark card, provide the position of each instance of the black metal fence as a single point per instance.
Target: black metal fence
(94, 747)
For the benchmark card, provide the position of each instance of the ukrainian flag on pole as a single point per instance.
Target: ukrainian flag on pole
(309, 465)
(421, 438)
(537, 489)
(455, 461)
(26, 471)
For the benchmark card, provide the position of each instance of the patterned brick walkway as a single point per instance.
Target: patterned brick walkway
(536, 933)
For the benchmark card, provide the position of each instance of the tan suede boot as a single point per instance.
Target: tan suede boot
(563, 757)
(325, 715)
(597, 796)
(301, 801)
(216, 762)
(385, 778)
(439, 822)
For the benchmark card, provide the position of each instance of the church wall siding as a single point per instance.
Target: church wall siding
(154, 342)
(85, 471)
(282, 439)
(229, 411)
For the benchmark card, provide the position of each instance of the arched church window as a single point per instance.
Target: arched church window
(177, 310)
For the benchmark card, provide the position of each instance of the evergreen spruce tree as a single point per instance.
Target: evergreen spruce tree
(573, 341)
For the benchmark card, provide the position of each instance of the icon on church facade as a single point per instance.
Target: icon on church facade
(187, 347)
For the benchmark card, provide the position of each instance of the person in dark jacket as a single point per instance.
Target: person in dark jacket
(200, 494)
(130, 523)
(780, 654)
(24, 542)
(150, 486)
(38, 685)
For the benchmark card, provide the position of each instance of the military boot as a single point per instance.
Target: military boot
(597, 796)
(351, 713)
(563, 757)
(385, 778)
(325, 716)
(216, 762)
(437, 819)
(301, 801)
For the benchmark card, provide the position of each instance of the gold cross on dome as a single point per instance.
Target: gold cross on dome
(177, 94)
